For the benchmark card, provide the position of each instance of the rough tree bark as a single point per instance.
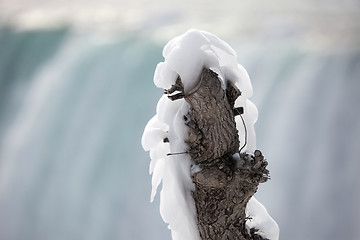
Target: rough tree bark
(225, 184)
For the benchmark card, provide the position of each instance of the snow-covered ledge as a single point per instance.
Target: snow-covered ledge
(167, 134)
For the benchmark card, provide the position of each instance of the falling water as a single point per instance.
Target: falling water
(73, 107)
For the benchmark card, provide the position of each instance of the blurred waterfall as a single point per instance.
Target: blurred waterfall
(73, 112)
(308, 129)
(73, 107)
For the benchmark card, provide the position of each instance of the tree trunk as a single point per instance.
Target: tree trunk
(222, 190)
(226, 181)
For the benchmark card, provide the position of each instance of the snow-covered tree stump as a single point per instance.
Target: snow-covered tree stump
(202, 144)
(225, 184)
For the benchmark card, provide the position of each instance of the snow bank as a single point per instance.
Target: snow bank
(186, 56)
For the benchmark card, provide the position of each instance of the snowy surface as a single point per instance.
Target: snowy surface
(260, 219)
(185, 56)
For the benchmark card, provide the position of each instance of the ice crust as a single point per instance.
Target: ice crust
(186, 56)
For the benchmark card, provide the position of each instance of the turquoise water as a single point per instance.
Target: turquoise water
(73, 107)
